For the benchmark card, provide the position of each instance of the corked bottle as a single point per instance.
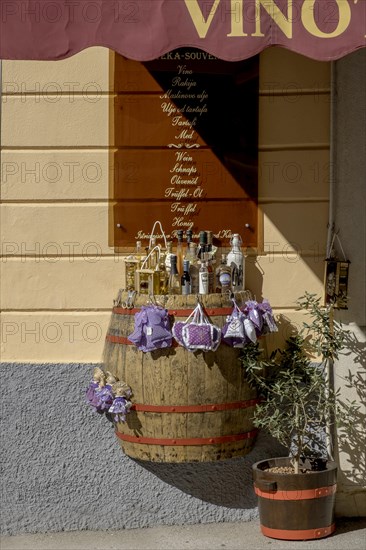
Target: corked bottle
(235, 260)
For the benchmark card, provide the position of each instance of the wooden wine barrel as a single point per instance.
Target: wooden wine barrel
(188, 406)
(295, 506)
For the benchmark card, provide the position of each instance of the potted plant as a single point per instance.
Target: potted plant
(299, 408)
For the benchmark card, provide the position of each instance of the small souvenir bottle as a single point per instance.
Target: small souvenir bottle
(186, 279)
(174, 286)
(163, 278)
(131, 265)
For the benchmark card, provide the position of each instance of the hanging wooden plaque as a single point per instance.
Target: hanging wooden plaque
(185, 135)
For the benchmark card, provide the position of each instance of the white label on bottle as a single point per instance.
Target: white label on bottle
(203, 283)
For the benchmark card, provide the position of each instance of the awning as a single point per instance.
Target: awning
(147, 29)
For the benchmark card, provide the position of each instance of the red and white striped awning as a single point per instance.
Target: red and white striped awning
(146, 29)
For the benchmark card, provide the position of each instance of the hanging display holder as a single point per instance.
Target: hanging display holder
(336, 278)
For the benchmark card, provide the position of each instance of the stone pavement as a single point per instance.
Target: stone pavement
(350, 535)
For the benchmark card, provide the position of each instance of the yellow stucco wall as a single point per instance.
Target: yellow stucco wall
(58, 274)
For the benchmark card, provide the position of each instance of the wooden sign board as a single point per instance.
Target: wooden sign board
(186, 153)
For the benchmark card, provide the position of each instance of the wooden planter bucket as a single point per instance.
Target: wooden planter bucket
(187, 406)
(295, 506)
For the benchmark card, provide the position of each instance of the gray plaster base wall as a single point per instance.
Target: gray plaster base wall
(63, 468)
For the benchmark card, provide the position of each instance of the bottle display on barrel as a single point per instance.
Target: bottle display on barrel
(235, 260)
(159, 272)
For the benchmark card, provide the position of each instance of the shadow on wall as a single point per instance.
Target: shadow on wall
(224, 483)
(354, 454)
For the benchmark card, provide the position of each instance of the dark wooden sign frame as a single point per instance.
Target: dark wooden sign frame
(186, 138)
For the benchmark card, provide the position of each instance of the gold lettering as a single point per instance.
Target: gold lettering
(278, 17)
(308, 19)
(237, 18)
(202, 25)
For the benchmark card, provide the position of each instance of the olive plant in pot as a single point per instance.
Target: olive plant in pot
(299, 408)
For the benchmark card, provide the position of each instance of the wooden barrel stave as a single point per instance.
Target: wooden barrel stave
(177, 377)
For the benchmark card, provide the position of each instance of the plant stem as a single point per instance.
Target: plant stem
(299, 442)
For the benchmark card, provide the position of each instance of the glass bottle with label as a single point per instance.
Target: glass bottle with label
(163, 277)
(203, 278)
(174, 286)
(193, 267)
(223, 277)
(235, 260)
(186, 279)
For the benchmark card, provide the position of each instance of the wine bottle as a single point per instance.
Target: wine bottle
(211, 261)
(202, 244)
(180, 252)
(186, 279)
(193, 267)
(211, 273)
